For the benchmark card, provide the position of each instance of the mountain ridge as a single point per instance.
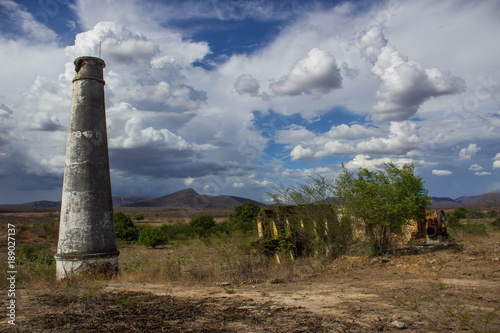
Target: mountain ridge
(189, 198)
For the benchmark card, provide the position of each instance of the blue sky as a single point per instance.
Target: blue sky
(235, 97)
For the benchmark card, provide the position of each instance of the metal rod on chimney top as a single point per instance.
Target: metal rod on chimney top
(99, 49)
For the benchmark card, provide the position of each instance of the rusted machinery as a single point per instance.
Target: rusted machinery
(435, 224)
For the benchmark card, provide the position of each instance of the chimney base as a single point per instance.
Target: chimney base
(97, 265)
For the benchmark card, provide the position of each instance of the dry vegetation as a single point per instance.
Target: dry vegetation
(219, 284)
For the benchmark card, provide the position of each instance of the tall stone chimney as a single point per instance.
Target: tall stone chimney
(86, 231)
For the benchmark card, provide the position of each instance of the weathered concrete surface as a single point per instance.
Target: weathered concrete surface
(86, 230)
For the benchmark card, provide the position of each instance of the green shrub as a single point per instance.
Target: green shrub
(179, 231)
(36, 263)
(476, 229)
(492, 214)
(204, 221)
(138, 217)
(452, 221)
(460, 212)
(475, 214)
(151, 236)
(41, 254)
(202, 224)
(244, 217)
(125, 228)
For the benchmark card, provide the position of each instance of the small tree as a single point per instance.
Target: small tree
(138, 217)
(152, 236)
(201, 224)
(125, 228)
(383, 200)
(460, 212)
(244, 217)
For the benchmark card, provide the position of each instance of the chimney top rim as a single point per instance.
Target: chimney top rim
(79, 60)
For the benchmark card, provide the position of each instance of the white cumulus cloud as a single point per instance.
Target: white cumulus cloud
(42, 121)
(475, 167)
(496, 161)
(468, 152)
(317, 74)
(405, 85)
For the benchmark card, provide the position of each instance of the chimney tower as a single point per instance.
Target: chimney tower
(87, 241)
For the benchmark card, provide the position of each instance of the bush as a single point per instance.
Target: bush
(244, 217)
(492, 214)
(178, 231)
(125, 228)
(41, 254)
(475, 229)
(202, 224)
(452, 221)
(475, 214)
(204, 221)
(152, 236)
(36, 263)
(138, 217)
(460, 212)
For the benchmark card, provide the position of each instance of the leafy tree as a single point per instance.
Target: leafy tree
(152, 236)
(382, 200)
(125, 228)
(138, 217)
(244, 217)
(460, 212)
(201, 224)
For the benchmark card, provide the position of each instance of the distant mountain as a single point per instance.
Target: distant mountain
(56, 205)
(123, 200)
(444, 203)
(189, 198)
(42, 204)
(483, 200)
(486, 200)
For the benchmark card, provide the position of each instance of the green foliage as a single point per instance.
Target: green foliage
(492, 214)
(383, 200)
(125, 228)
(179, 231)
(202, 224)
(244, 217)
(138, 217)
(36, 262)
(452, 221)
(475, 213)
(151, 236)
(39, 254)
(460, 212)
(204, 221)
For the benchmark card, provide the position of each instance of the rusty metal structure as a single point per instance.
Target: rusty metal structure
(435, 224)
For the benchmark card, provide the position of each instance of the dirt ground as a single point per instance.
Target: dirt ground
(450, 286)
